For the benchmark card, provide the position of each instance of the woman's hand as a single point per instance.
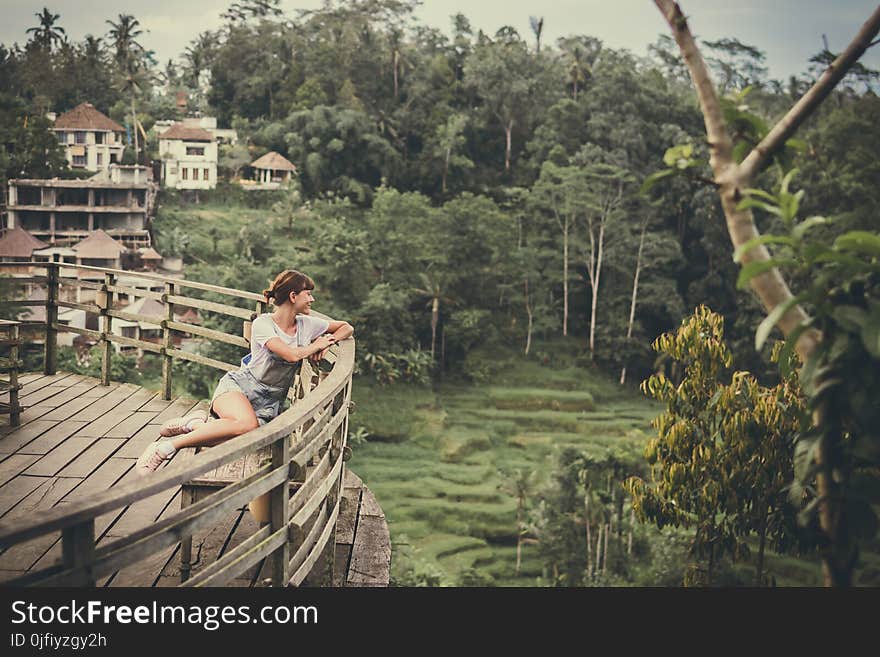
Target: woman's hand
(321, 344)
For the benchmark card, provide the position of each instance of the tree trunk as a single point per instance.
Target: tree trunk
(508, 131)
(762, 539)
(632, 306)
(446, 166)
(575, 89)
(519, 506)
(435, 318)
(589, 538)
(134, 129)
(632, 522)
(619, 520)
(599, 547)
(839, 554)
(442, 351)
(529, 313)
(595, 285)
(605, 550)
(565, 231)
(394, 66)
(711, 564)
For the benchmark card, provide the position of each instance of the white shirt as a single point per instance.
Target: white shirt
(264, 329)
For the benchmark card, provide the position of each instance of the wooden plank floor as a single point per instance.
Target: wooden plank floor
(77, 437)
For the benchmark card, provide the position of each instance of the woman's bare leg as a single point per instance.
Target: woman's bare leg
(236, 417)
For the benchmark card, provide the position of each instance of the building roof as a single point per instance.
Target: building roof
(149, 307)
(85, 117)
(98, 245)
(150, 253)
(274, 161)
(190, 316)
(18, 243)
(179, 131)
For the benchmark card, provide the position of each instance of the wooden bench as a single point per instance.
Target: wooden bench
(10, 336)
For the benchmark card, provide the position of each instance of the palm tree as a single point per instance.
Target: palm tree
(123, 35)
(433, 287)
(197, 56)
(47, 34)
(537, 24)
(129, 62)
(581, 53)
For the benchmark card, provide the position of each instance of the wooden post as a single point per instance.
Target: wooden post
(106, 346)
(14, 408)
(50, 361)
(78, 549)
(166, 341)
(279, 513)
(186, 498)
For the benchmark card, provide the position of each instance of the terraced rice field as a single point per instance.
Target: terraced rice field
(438, 460)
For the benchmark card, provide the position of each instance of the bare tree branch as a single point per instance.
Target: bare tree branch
(770, 287)
(812, 99)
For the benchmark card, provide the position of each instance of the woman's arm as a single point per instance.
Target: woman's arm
(295, 354)
(340, 330)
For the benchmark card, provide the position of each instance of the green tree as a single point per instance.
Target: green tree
(519, 483)
(449, 143)
(32, 150)
(562, 192)
(501, 74)
(734, 174)
(130, 65)
(722, 461)
(48, 34)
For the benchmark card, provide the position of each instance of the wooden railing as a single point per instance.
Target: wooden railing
(10, 338)
(312, 432)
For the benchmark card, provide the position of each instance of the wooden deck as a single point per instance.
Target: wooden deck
(77, 437)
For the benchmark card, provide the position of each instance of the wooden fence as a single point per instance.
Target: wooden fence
(312, 432)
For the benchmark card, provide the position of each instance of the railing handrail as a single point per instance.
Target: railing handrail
(177, 474)
(207, 287)
(319, 414)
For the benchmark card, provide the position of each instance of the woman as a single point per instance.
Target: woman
(253, 395)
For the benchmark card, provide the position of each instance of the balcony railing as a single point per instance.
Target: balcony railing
(307, 443)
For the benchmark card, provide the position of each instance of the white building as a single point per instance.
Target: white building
(189, 158)
(92, 140)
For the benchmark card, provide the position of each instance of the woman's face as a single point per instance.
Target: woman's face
(302, 301)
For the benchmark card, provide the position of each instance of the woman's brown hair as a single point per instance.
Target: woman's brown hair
(286, 282)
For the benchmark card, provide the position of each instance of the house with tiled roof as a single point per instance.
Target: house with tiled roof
(18, 245)
(189, 157)
(92, 140)
(272, 168)
(99, 250)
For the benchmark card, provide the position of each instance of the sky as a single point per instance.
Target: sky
(788, 31)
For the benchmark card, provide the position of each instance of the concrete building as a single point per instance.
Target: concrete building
(118, 201)
(92, 140)
(189, 158)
